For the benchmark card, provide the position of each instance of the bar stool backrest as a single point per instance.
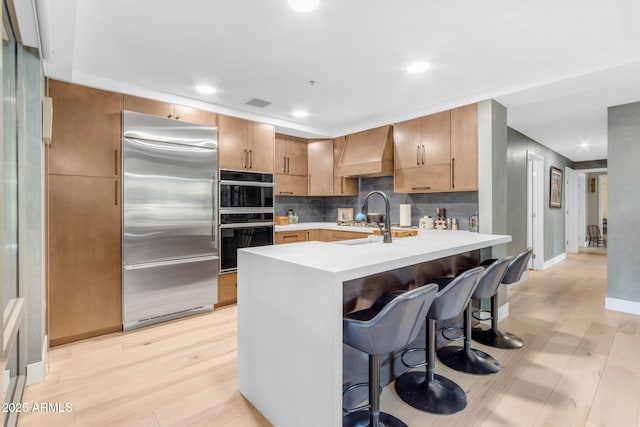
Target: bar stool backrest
(491, 278)
(517, 267)
(395, 326)
(454, 297)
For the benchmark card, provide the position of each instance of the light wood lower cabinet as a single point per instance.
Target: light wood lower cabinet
(85, 261)
(338, 235)
(317, 235)
(227, 289)
(291, 236)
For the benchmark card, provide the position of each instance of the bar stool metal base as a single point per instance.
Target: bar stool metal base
(362, 418)
(441, 396)
(496, 338)
(472, 362)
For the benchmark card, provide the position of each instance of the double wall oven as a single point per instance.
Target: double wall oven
(246, 213)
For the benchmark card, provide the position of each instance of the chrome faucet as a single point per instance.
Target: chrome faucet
(386, 233)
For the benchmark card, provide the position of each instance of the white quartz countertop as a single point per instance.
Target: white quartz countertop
(322, 226)
(348, 260)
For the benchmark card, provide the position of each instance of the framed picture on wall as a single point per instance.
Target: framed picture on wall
(555, 188)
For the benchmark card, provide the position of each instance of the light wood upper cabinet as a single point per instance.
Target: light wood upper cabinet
(342, 186)
(437, 153)
(86, 133)
(84, 257)
(170, 111)
(435, 137)
(245, 145)
(464, 148)
(320, 167)
(291, 155)
(290, 165)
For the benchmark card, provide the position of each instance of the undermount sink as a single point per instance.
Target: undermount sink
(361, 241)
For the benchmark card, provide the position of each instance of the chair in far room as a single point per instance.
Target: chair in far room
(493, 336)
(380, 330)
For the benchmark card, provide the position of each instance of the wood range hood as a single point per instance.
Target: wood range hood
(368, 153)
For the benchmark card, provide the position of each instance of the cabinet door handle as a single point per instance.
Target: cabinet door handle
(453, 172)
(342, 185)
(288, 164)
(115, 163)
(177, 117)
(250, 159)
(286, 192)
(421, 188)
(284, 164)
(423, 150)
(244, 159)
(169, 116)
(290, 236)
(115, 192)
(418, 155)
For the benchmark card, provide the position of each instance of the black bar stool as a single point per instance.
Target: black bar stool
(382, 330)
(493, 336)
(465, 358)
(428, 391)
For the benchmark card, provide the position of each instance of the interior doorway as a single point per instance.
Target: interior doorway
(574, 210)
(535, 209)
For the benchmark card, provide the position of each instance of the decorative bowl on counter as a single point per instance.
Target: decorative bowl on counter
(282, 220)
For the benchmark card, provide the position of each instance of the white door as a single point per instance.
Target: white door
(535, 209)
(572, 210)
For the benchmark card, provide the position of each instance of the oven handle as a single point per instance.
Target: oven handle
(248, 225)
(247, 183)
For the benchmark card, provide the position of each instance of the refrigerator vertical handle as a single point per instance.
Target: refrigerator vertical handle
(214, 213)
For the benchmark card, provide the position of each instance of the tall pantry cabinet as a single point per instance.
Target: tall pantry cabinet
(84, 213)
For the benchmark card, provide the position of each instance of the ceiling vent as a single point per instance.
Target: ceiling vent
(260, 103)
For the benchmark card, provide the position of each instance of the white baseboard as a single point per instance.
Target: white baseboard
(554, 261)
(623, 305)
(36, 371)
(503, 313)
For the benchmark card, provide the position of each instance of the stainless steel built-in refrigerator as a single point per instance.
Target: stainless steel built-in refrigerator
(170, 259)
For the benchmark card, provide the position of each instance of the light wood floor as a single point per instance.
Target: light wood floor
(579, 367)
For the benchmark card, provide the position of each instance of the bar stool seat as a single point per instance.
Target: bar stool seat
(428, 391)
(493, 337)
(382, 329)
(465, 358)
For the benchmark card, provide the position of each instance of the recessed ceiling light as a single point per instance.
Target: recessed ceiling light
(303, 5)
(584, 145)
(418, 67)
(206, 89)
(300, 114)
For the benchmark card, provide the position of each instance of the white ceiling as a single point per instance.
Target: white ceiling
(555, 65)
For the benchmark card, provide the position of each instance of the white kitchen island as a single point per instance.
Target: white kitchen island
(290, 309)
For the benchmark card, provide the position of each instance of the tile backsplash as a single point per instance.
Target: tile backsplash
(312, 209)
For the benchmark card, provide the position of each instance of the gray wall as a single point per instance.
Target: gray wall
(311, 209)
(492, 156)
(31, 204)
(554, 223)
(623, 264)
